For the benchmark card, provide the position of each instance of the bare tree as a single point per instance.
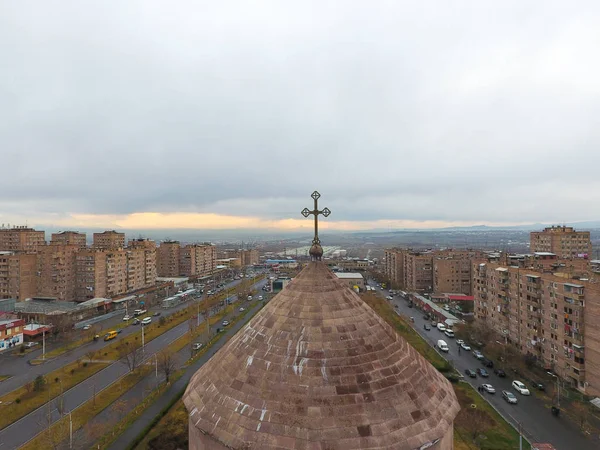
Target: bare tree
(167, 363)
(90, 355)
(130, 353)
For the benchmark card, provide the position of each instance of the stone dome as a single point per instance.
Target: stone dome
(317, 368)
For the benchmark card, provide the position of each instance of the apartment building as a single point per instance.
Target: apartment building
(247, 257)
(167, 259)
(549, 315)
(91, 274)
(56, 270)
(563, 241)
(21, 239)
(198, 260)
(437, 271)
(109, 240)
(149, 266)
(69, 238)
(17, 275)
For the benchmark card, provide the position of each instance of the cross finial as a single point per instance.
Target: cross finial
(316, 251)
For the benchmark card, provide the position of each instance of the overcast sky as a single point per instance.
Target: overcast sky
(229, 114)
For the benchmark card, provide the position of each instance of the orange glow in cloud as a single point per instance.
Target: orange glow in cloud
(152, 220)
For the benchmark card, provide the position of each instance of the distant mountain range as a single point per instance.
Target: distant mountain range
(251, 235)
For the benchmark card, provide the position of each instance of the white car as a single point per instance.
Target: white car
(242, 309)
(197, 346)
(146, 320)
(126, 318)
(389, 297)
(441, 327)
(520, 388)
(460, 342)
(465, 346)
(225, 323)
(87, 327)
(260, 297)
(488, 388)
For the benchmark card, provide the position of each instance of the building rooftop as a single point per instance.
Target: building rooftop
(318, 368)
(348, 275)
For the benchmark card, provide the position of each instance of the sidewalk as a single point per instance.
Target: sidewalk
(175, 389)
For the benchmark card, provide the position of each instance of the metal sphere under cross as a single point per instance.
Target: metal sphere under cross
(315, 212)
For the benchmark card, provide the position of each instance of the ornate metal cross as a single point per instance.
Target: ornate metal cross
(315, 212)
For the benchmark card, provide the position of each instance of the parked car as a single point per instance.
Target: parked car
(465, 346)
(449, 333)
(509, 397)
(197, 346)
(488, 388)
(389, 297)
(30, 344)
(520, 388)
(482, 372)
(126, 318)
(477, 354)
(136, 321)
(156, 313)
(500, 373)
(426, 327)
(225, 323)
(471, 373)
(441, 327)
(487, 363)
(434, 323)
(460, 342)
(260, 297)
(242, 309)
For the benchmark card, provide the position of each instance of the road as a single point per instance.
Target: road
(538, 423)
(22, 372)
(29, 426)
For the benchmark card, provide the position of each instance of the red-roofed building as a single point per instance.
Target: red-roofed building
(11, 333)
(461, 298)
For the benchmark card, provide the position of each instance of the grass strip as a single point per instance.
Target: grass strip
(59, 431)
(25, 399)
(4, 377)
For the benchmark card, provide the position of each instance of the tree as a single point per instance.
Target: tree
(130, 353)
(167, 363)
(38, 383)
(120, 407)
(90, 355)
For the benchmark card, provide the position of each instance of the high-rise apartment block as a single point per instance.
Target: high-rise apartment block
(17, 275)
(436, 271)
(167, 259)
(56, 270)
(198, 260)
(21, 239)
(109, 240)
(563, 241)
(91, 269)
(543, 312)
(69, 238)
(149, 265)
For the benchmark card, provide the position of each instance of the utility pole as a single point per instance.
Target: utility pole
(70, 431)
(44, 343)
(143, 342)
(520, 436)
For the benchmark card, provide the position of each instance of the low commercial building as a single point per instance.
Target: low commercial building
(352, 279)
(11, 333)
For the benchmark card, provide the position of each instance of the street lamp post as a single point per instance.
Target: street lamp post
(70, 431)
(143, 342)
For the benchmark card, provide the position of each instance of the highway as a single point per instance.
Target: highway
(22, 372)
(537, 422)
(29, 426)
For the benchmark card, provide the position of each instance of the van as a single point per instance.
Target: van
(110, 335)
(146, 320)
(449, 333)
(442, 345)
(441, 327)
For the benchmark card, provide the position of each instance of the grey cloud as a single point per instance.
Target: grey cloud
(458, 111)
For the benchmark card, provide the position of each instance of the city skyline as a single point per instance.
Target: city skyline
(196, 116)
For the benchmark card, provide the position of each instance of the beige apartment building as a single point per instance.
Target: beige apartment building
(149, 267)
(21, 239)
(69, 238)
(17, 275)
(167, 259)
(545, 313)
(432, 271)
(109, 240)
(198, 260)
(91, 274)
(56, 270)
(247, 257)
(563, 241)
